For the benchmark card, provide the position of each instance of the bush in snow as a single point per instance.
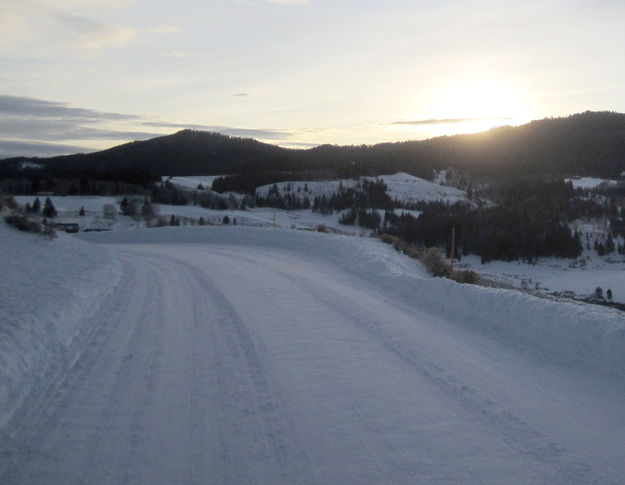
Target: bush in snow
(466, 276)
(109, 211)
(599, 292)
(23, 222)
(434, 263)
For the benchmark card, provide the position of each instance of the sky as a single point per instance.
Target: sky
(84, 75)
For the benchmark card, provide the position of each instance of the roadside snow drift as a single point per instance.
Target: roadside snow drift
(47, 292)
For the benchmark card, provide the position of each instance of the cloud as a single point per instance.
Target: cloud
(241, 95)
(289, 2)
(36, 127)
(32, 107)
(265, 133)
(90, 34)
(164, 29)
(444, 121)
(36, 149)
(181, 55)
(38, 29)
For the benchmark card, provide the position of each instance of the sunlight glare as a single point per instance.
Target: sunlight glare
(471, 106)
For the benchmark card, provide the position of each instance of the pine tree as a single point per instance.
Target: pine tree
(48, 208)
(36, 207)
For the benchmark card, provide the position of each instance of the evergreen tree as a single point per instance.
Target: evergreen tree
(48, 208)
(36, 207)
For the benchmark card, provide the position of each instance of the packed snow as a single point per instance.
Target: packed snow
(269, 356)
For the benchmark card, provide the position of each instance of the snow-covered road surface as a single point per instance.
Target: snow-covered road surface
(238, 364)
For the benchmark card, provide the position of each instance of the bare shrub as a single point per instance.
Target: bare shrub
(109, 211)
(466, 276)
(23, 222)
(434, 263)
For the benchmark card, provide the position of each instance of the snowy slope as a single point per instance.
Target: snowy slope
(191, 183)
(47, 291)
(401, 186)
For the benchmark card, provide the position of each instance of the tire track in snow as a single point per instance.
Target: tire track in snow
(256, 402)
(497, 420)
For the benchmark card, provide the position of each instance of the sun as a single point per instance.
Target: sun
(477, 105)
(470, 105)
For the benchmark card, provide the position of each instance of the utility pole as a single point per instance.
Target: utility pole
(453, 244)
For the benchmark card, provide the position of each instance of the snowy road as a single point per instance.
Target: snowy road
(217, 364)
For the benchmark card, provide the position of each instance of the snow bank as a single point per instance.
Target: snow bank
(47, 292)
(576, 335)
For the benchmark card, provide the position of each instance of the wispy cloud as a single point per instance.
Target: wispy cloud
(241, 95)
(444, 121)
(289, 2)
(39, 28)
(32, 107)
(164, 29)
(265, 133)
(36, 149)
(91, 34)
(181, 55)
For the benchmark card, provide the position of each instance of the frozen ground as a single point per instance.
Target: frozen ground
(250, 355)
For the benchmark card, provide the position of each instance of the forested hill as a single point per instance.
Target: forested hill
(590, 143)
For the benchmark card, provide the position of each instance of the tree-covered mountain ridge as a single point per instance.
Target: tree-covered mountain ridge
(589, 143)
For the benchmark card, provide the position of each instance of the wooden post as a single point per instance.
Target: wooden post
(453, 244)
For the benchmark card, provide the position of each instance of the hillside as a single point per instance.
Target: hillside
(591, 143)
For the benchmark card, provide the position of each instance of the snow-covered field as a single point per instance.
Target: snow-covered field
(578, 278)
(401, 186)
(589, 182)
(191, 183)
(274, 356)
